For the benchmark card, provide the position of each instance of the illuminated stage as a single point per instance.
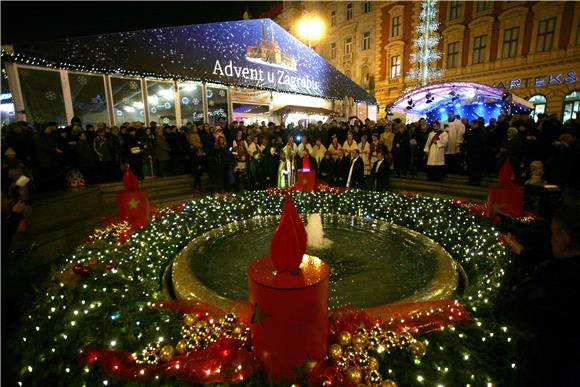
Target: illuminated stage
(467, 99)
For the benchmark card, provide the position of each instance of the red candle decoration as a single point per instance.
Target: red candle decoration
(306, 180)
(289, 241)
(130, 180)
(508, 197)
(133, 204)
(289, 295)
(306, 163)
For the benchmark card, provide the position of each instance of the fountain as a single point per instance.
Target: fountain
(315, 233)
(373, 262)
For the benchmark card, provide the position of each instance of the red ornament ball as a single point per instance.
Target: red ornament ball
(109, 266)
(93, 262)
(86, 270)
(78, 269)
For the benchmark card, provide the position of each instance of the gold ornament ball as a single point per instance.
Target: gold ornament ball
(373, 343)
(239, 329)
(201, 324)
(374, 377)
(363, 360)
(349, 353)
(359, 340)
(190, 319)
(181, 347)
(212, 337)
(230, 318)
(354, 375)
(376, 331)
(342, 363)
(335, 351)
(344, 339)
(418, 348)
(166, 353)
(243, 337)
(389, 383)
(373, 364)
(361, 331)
(391, 336)
(216, 327)
(404, 339)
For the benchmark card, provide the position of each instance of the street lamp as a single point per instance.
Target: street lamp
(310, 27)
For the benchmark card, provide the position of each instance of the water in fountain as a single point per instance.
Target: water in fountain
(315, 233)
(372, 262)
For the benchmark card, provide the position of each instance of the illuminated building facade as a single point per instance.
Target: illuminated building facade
(531, 48)
(348, 39)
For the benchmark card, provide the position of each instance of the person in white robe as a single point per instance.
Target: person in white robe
(435, 152)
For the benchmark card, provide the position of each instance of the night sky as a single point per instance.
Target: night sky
(26, 22)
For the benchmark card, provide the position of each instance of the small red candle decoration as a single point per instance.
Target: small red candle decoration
(133, 204)
(289, 295)
(508, 197)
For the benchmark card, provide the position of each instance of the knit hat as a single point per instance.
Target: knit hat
(10, 152)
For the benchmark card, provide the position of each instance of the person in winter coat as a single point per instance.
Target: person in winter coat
(401, 150)
(162, 153)
(476, 152)
(87, 159)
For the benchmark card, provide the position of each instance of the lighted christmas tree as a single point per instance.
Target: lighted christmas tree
(425, 52)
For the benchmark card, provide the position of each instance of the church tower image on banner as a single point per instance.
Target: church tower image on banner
(269, 53)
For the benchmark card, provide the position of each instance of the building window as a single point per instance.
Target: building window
(332, 50)
(452, 55)
(479, 49)
(347, 45)
(481, 6)
(127, 100)
(510, 42)
(349, 11)
(545, 38)
(43, 98)
(396, 26)
(539, 102)
(395, 66)
(571, 106)
(366, 41)
(332, 18)
(365, 77)
(88, 97)
(366, 7)
(455, 10)
(160, 101)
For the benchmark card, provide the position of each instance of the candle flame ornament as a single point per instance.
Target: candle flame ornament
(289, 241)
(130, 180)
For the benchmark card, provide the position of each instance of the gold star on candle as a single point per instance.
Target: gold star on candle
(133, 203)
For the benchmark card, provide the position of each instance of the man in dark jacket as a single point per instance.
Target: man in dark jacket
(341, 168)
(543, 303)
(380, 173)
(47, 156)
(356, 174)
(476, 152)
(327, 167)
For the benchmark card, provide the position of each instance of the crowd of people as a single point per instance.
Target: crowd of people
(236, 156)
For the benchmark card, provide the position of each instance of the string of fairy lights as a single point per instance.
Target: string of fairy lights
(107, 305)
(30, 60)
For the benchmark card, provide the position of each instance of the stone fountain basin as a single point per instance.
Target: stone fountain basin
(372, 263)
